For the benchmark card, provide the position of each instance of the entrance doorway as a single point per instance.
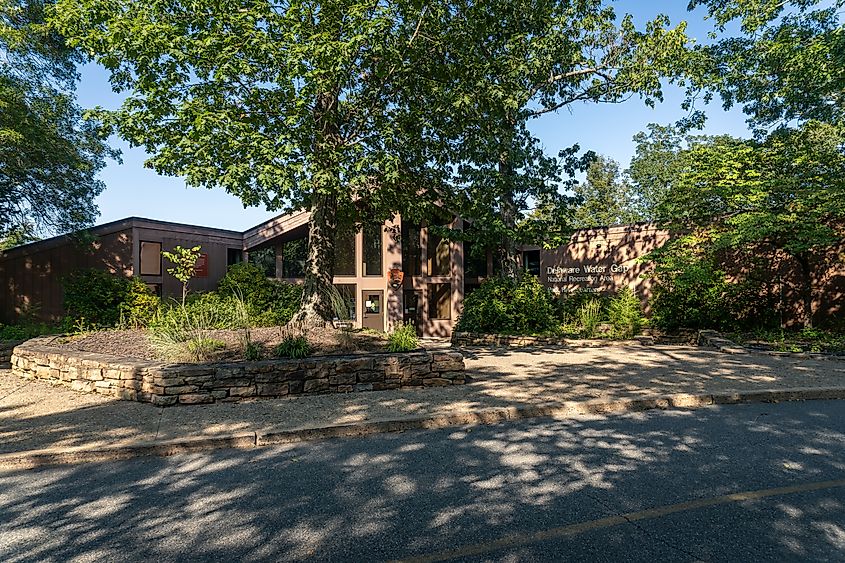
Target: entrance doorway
(373, 301)
(411, 309)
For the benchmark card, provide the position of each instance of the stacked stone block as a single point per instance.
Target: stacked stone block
(170, 384)
(6, 348)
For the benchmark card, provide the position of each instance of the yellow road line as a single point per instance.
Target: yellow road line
(516, 540)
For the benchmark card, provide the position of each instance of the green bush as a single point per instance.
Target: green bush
(181, 333)
(403, 339)
(508, 306)
(25, 330)
(202, 348)
(296, 347)
(98, 299)
(568, 305)
(624, 311)
(589, 316)
(253, 351)
(693, 290)
(140, 305)
(270, 302)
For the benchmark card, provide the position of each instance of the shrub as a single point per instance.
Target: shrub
(25, 331)
(693, 290)
(270, 302)
(625, 313)
(403, 339)
(508, 306)
(589, 317)
(179, 333)
(202, 348)
(95, 296)
(139, 306)
(295, 347)
(568, 305)
(253, 351)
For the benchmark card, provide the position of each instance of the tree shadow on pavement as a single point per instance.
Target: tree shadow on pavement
(402, 495)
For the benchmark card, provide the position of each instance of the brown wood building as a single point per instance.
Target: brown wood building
(437, 273)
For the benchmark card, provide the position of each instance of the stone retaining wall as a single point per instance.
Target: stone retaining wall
(170, 384)
(6, 348)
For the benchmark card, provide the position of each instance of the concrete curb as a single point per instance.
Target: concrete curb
(87, 454)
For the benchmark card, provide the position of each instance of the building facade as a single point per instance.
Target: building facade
(388, 274)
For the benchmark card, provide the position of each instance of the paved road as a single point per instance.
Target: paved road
(738, 483)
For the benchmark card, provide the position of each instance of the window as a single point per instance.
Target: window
(265, 259)
(294, 258)
(344, 253)
(234, 256)
(475, 261)
(531, 262)
(439, 261)
(372, 305)
(150, 258)
(440, 301)
(372, 250)
(411, 250)
(155, 288)
(347, 293)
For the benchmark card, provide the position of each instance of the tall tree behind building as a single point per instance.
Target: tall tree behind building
(606, 197)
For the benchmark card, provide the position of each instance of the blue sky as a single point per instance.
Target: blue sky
(607, 129)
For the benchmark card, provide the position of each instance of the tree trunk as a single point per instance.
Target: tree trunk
(316, 306)
(806, 288)
(508, 255)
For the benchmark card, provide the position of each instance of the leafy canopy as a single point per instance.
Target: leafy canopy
(49, 155)
(270, 101)
(785, 65)
(495, 66)
(606, 197)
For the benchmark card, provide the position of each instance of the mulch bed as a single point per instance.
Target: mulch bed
(137, 344)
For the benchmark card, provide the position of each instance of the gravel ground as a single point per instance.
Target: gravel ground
(35, 414)
(137, 343)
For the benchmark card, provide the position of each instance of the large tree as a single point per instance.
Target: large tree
(784, 193)
(784, 65)
(606, 197)
(287, 104)
(498, 65)
(49, 155)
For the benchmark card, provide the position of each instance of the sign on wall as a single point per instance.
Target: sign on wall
(201, 267)
(587, 277)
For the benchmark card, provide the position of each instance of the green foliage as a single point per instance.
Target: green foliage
(403, 339)
(605, 198)
(295, 347)
(508, 306)
(139, 306)
(181, 332)
(625, 313)
(253, 351)
(589, 316)
(785, 193)
(16, 236)
(96, 296)
(25, 330)
(270, 302)
(781, 66)
(49, 155)
(202, 348)
(184, 262)
(692, 289)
